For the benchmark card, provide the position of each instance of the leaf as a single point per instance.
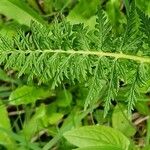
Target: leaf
(5, 77)
(5, 138)
(127, 5)
(138, 81)
(115, 15)
(34, 124)
(20, 11)
(103, 30)
(28, 94)
(97, 136)
(113, 86)
(95, 85)
(34, 5)
(4, 121)
(82, 13)
(54, 118)
(48, 6)
(51, 55)
(145, 25)
(10, 28)
(64, 98)
(104, 147)
(144, 6)
(142, 108)
(122, 94)
(122, 122)
(130, 38)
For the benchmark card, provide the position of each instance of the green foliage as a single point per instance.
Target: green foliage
(71, 75)
(72, 53)
(27, 94)
(116, 16)
(144, 5)
(34, 124)
(64, 98)
(122, 121)
(105, 147)
(97, 136)
(20, 11)
(82, 13)
(5, 139)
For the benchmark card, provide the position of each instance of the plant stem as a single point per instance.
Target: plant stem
(140, 59)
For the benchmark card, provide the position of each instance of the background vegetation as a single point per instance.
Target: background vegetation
(34, 117)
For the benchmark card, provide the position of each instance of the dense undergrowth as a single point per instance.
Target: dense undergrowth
(70, 75)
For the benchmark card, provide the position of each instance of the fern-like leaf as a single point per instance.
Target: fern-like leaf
(130, 39)
(73, 53)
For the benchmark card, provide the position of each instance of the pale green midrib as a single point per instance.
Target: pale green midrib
(140, 59)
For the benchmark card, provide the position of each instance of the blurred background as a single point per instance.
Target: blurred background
(21, 12)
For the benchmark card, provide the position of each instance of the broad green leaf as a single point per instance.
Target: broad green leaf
(97, 136)
(28, 94)
(104, 147)
(5, 138)
(20, 11)
(122, 121)
(64, 98)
